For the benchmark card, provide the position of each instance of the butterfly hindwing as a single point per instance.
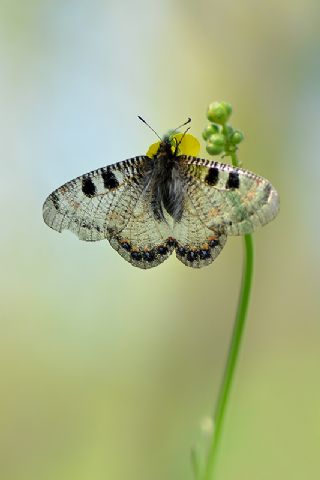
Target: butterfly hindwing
(197, 245)
(145, 240)
(228, 198)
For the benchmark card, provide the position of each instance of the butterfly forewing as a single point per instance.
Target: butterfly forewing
(98, 203)
(227, 198)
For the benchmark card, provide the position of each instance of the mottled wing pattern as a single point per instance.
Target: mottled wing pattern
(228, 199)
(196, 244)
(113, 203)
(117, 203)
(97, 204)
(144, 241)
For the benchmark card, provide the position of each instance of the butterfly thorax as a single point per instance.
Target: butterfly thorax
(168, 190)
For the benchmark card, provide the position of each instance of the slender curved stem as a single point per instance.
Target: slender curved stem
(233, 355)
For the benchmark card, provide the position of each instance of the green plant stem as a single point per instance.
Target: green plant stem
(233, 355)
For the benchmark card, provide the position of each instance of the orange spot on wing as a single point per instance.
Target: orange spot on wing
(250, 195)
(214, 212)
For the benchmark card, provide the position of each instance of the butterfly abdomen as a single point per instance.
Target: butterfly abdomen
(167, 184)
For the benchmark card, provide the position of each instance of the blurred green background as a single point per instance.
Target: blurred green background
(107, 372)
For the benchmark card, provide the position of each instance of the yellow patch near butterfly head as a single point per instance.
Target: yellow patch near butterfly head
(188, 145)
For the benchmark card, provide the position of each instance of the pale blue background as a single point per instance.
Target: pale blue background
(108, 371)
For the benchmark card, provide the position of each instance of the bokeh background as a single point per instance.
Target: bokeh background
(109, 372)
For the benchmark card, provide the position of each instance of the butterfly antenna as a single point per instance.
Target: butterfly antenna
(143, 120)
(185, 123)
(178, 128)
(184, 133)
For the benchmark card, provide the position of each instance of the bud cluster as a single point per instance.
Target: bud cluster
(220, 137)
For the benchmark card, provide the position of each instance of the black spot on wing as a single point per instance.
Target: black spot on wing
(88, 187)
(181, 251)
(149, 256)
(126, 246)
(192, 255)
(204, 254)
(136, 256)
(171, 242)
(212, 176)
(233, 180)
(162, 250)
(267, 192)
(109, 179)
(55, 200)
(213, 242)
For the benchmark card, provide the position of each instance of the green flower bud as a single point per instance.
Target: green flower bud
(210, 130)
(219, 112)
(213, 149)
(216, 144)
(229, 131)
(237, 137)
(217, 139)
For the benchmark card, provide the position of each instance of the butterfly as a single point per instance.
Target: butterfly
(151, 205)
